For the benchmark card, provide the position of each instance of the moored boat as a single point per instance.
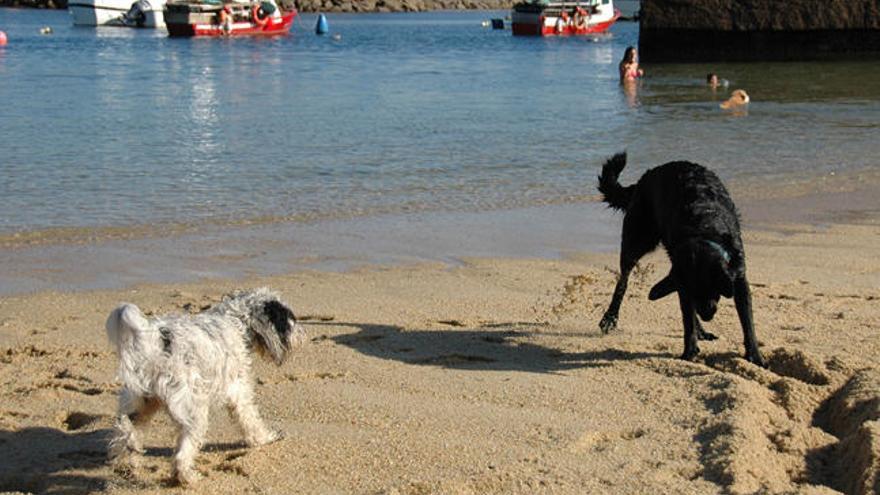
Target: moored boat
(185, 18)
(563, 18)
(140, 13)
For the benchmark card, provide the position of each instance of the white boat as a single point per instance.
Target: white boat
(138, 13)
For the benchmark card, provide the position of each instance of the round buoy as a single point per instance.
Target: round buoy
(2, 38)
(321, 27)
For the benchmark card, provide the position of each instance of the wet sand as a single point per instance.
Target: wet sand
(118, 257)
(490, 376)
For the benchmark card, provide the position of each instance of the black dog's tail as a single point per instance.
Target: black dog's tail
(613, 193)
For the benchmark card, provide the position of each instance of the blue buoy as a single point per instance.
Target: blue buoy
(321, 26)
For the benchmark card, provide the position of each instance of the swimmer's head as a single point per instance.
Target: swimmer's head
(712, 79)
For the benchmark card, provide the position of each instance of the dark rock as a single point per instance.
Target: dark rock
(730, 30)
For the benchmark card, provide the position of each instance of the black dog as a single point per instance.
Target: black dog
(686, 207)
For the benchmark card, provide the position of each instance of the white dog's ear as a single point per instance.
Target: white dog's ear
(275, 337)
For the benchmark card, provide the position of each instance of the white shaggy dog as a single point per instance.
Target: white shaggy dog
(189, 362)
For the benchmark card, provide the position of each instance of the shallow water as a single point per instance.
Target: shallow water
(116, 133)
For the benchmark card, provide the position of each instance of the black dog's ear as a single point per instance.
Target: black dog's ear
(663, 288)
(725, 284)
(735, 254)
(727, 289)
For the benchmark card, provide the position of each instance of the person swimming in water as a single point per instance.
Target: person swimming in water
(629, 66)
(712, 80)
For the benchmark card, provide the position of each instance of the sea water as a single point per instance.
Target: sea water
(139, 157)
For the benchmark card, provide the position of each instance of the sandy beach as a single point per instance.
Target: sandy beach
(489, 377)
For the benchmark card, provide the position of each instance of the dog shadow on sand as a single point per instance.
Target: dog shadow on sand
(53, 461)
(49, 460)
(493, 347)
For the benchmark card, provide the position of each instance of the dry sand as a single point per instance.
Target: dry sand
(490, 377)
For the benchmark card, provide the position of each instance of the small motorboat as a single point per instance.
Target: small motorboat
(140, 13)
(186, 18)
(563, 18)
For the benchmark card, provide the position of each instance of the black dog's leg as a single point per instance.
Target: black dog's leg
(637, 239)
(609, 320)
(689, 318)
(742, 296)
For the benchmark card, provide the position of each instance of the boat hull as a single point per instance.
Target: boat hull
(97, 12)
(113, 13)
(532, 20)
(181, 25)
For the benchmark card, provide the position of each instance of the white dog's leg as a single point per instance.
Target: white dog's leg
(126, 439)
(242, 408)
(193, 422)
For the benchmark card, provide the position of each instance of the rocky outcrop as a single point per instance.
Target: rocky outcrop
(732, 30)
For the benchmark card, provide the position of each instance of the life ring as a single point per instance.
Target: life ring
(255, 16)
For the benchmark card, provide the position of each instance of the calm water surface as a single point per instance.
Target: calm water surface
(403, 114)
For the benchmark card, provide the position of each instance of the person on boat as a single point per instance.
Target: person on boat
(226, 19)
(629, 66)
(581, 17)
(562, 22)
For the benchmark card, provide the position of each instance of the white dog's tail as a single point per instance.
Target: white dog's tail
(125, 325)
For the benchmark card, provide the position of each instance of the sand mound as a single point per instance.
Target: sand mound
(750, 445)
(859, 460)
(798, 365)
(855, 403)
(853, 415)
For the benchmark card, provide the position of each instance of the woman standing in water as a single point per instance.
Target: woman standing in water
(629, 74)
(629, 66)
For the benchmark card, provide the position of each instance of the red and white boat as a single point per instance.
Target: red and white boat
(553, 18)
(184, 18)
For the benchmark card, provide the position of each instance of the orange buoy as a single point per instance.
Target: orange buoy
(2, 38)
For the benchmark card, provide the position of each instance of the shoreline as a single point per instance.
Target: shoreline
(817, 196)
(88, 259)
